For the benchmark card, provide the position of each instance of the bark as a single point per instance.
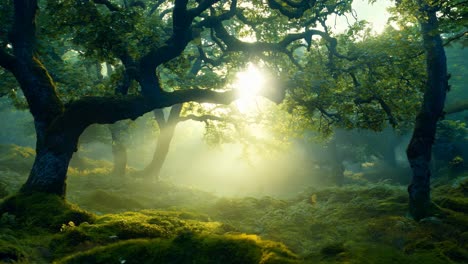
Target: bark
(119, 150)
(337, 168)
(49, 170)
(167, 128)
(58, 127)
(54, 148)
(420, 146)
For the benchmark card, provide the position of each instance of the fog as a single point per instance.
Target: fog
(237, 169)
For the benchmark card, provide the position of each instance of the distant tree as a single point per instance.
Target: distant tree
(141, 43)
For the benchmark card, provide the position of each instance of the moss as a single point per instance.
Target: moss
(43, 210)
(69, 241)
(454, 203)
(453, 251)
(382, 254)
(10, 253)
(113, 228)
(106, 201)
(390, 230)
(186, 248)
(332, 250)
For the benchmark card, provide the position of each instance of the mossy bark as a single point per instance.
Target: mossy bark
(59, 126)
(420, 147)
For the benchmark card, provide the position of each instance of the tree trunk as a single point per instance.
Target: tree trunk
(420, 147)
(337, 168)
(53, 154)
(388, 152)
(119, 150)
(167, 128)
(48, 173)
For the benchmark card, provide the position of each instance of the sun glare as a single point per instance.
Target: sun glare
(248, 84)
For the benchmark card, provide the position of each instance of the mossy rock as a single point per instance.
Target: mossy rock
(43, 210)
(113, 228)
(189, 248)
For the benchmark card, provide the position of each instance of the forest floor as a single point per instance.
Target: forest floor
(111, 220)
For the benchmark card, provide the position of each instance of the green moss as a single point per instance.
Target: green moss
(454, 203)
(106, 201)
(43, 210)
(113, 228)
(332, 250)
(69, 241)
(369, 254)
(9, 252)
(186, 248)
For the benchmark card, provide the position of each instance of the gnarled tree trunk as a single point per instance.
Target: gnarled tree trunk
(167, 128)
(420, 147)
(54, 150)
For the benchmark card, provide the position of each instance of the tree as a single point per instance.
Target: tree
(106, 29)
(419, 150)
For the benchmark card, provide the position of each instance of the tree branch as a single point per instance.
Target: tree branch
(105, 110)
(291, 9)
(382, 104)
(202, 6)
(108, 4)
(7, 61)
(456, 107)
(155, 7)
(212, 20)
(209, 60)
(23, 35)
(203, 118)
(181, 35)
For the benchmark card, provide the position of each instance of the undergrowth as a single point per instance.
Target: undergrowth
(139, 222)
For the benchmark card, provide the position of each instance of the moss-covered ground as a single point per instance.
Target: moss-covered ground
(125, 220)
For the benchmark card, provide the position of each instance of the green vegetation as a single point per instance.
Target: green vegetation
(189, 248)
(261, 76)
(363, 223)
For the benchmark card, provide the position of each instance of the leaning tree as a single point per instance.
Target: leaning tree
(108, 29)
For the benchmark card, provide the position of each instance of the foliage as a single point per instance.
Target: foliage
(449, 143)
(375, 82)
(358, 224)
(42, 210)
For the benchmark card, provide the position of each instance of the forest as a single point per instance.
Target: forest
(207, 131)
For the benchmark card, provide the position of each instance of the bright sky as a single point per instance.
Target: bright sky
(376, 14)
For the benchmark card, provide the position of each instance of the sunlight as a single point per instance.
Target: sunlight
(248, 84)
(374, 13)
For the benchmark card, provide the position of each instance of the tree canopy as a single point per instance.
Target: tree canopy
(79, 63)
